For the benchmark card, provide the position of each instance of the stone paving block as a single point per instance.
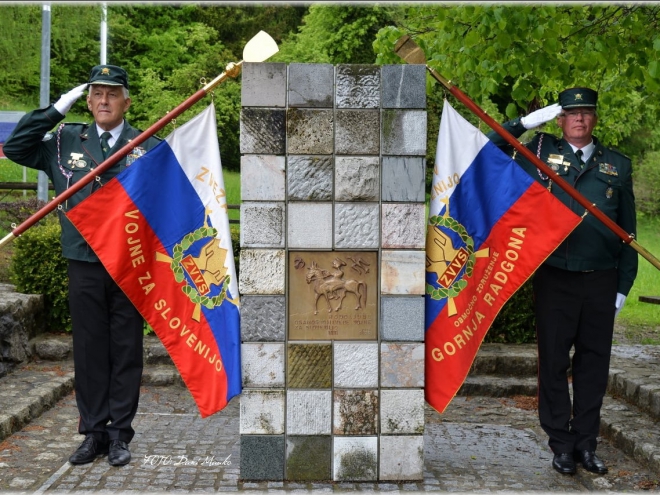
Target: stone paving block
(402, 458)
(402, 412)
(356, 364)
(308, 458)
(308, 412)
(357, 178)
(404, 132)
(262, 225)
(357, 132)
(355, 412)
(262, 457)
(263, 364)
(309, 131)
(309, 178)
(403, 178)
(403, 225)
(309, 225)
(262, 412)
(402, 272)
(401, 365)
(263, 318)
(356, 225)
(404, 86)
(355, 459)
(263, 84)
(309, 366)
(311, 85)
(263, 178)
(358, 86)
(262, 271)
(401, 318)
(263, 131)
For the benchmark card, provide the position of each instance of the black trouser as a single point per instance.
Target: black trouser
(107, 352)
(573, 309)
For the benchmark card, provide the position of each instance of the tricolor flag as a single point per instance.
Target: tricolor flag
(490, 227)
(161, 230)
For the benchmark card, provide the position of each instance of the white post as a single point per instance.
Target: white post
(104, 33)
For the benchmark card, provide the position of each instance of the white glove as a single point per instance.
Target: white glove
(540, 116)
(618, 304)
(64, 104)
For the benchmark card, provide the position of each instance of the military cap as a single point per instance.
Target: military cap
(578, 97)
(110, 75)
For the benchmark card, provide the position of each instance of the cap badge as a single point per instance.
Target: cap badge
(105, 71)
(578, 96)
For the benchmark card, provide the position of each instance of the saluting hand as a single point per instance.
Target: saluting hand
(64, 104)
(540, 116)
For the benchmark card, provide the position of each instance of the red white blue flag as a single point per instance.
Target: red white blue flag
(490, 227)
(161, 230)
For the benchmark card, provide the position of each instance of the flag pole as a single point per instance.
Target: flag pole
(259, 48)
(411, 53)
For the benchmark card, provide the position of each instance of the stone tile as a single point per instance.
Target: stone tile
(263, 318)
(403, 178)
(309, 366)
(358, 86)
(263, 178)
(401, 365)
(355, 459)
(356, 364)
(404, 132)
(262, 457)
(263, 364)
(263, 84)
(356, 225)
(308, 458)
(311, 85)
(404, 86)
(357, 132)
(403, 225)
(402, 458)
(357, 178)
(263, 131)
(309, 178)
(262, 225)
(402, 272)
(309, 132)
(309, 225)
(401, 318)
(355, 412)
(402, 411)
(262, 412)
(261, 271)
(308, 412)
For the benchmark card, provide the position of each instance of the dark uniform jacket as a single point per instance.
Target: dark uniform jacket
(69, 150)
(606, 181)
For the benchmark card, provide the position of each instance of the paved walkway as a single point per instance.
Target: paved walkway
(479, 444)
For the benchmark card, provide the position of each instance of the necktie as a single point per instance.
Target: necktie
(105, 146)
(579, 154)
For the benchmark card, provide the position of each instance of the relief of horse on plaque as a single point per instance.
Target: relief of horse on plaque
(332, 285)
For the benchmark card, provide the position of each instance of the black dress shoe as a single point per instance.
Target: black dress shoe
(119, 454)
(564, 463)
(590, 461)
(90, 449)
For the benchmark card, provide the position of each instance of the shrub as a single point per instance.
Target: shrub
(515, 324)
(38, 267)
(647, 185)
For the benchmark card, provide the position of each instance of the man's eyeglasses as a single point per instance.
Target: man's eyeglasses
(573, 114)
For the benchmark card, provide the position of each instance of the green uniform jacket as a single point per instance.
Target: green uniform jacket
(70, 150)
(606, 181)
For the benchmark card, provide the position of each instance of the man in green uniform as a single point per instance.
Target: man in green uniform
(107, 329)
(582, 286)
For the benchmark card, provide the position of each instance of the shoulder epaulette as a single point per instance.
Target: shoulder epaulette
(614, 150)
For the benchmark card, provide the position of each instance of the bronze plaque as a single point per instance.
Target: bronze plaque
(333, 295)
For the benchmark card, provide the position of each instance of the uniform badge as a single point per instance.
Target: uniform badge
(608, 169)
(609, 192)
(134, 155)
(77, 161)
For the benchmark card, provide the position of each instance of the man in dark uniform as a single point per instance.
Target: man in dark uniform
(107, 329)
(582, 286)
